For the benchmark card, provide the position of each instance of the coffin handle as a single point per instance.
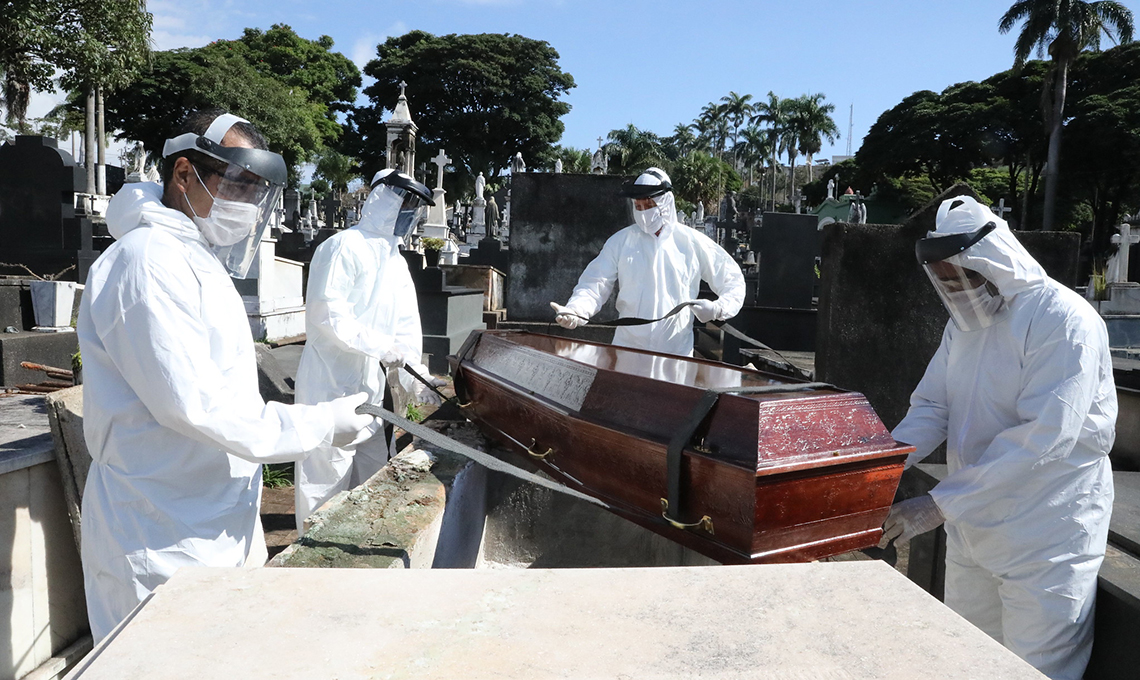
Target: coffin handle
(535, 454)
(705, 522)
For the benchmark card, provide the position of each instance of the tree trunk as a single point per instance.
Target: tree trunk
(1053, 160)
(101, 143)
(810, 177)
(89, 140)
(1025, 194)
(791, 178)
(775, 173)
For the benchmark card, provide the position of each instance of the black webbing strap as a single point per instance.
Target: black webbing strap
(636, 320)
(684, 435)
(677, 444)
(736, 333)
(485, 459)
(454, 401)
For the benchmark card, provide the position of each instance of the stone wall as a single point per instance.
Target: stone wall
(559, 223)
(880, 320)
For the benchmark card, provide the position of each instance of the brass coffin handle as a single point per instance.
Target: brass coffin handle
(705, 522)
(535, 454)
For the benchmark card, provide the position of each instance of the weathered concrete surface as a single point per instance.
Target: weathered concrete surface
(65, 414)
(841, 620)
(42, 607)
(430, 508)
(559, 223)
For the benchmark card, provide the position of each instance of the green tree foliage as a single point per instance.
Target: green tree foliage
(482, 98)
(812, 117)
(573, 160)
(102, 42)
(335, 168)
(258, 77)
(1065, 28)
(703, 178)
(632, 150)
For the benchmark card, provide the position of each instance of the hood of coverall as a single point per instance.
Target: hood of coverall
(999, 256)
(141, 204)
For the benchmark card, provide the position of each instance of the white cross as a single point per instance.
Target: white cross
(1125, 239)
(599, 142)
(1002, 210)
(402, 86)
(440, 160)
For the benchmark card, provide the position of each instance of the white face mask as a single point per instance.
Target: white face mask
(650, 221)
(228, 221)
(973, 309)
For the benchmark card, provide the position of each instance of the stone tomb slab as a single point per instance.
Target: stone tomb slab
(788, 245)
(819, 620)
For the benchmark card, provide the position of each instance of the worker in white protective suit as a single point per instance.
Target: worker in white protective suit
(172, 415)
(1021, 391)
(657, 263)
(362, 324)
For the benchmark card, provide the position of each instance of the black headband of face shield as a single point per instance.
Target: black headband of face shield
(636, 191)
(938, 248)
(398, 180)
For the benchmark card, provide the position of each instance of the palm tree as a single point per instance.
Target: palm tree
(683, 140)
(713, 122)
(772, 112)
(637, 149)
(1064, 28)
(754, 148)
(816, 123)
(736, 110)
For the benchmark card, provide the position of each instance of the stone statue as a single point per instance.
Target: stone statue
(480, 185)
(857, 213)
(700, 212)
(831, 188)
(730, 212)
(558, 165)
(517, 164)
(492, 215)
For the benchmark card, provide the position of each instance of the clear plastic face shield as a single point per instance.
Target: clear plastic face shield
(973, 301)
(244, 195)
(396, 206)
(243, 205)
(649, 201)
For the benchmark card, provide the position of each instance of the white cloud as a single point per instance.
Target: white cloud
(364, 49)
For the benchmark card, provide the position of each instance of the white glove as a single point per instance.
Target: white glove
(566, 317)
(348, 425)
(912, 517)
(427, 396)
(705, 310)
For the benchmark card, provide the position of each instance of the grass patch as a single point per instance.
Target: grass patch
(277, 475)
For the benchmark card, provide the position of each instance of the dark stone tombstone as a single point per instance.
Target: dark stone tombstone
(787, 245)
(489, 252)
(559, 223)
(38, 224)
(292, 208)
(448, 314)
(116, 177)
(879, 318)
(331, 206)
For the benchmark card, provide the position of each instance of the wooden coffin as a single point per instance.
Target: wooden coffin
(786, 475)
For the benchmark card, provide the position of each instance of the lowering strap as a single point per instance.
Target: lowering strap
(485, 459)
(723, 325)
(684, 435)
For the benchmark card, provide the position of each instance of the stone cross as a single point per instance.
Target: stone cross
(330, 204)
(440, 161)
(1124, 239)
(599, 142)
(1002, 210)
(402, 86)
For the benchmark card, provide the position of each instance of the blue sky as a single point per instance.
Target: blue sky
(655, 64)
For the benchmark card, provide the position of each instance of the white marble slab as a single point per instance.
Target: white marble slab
(821, 620)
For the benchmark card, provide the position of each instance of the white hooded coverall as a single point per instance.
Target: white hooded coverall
(361, 306)
(655, 274)
(172, 415)
(1027, 408)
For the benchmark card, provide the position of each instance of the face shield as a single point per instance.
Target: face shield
(650, 201)
(972, 301)
(245, 195)
(397, 205)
